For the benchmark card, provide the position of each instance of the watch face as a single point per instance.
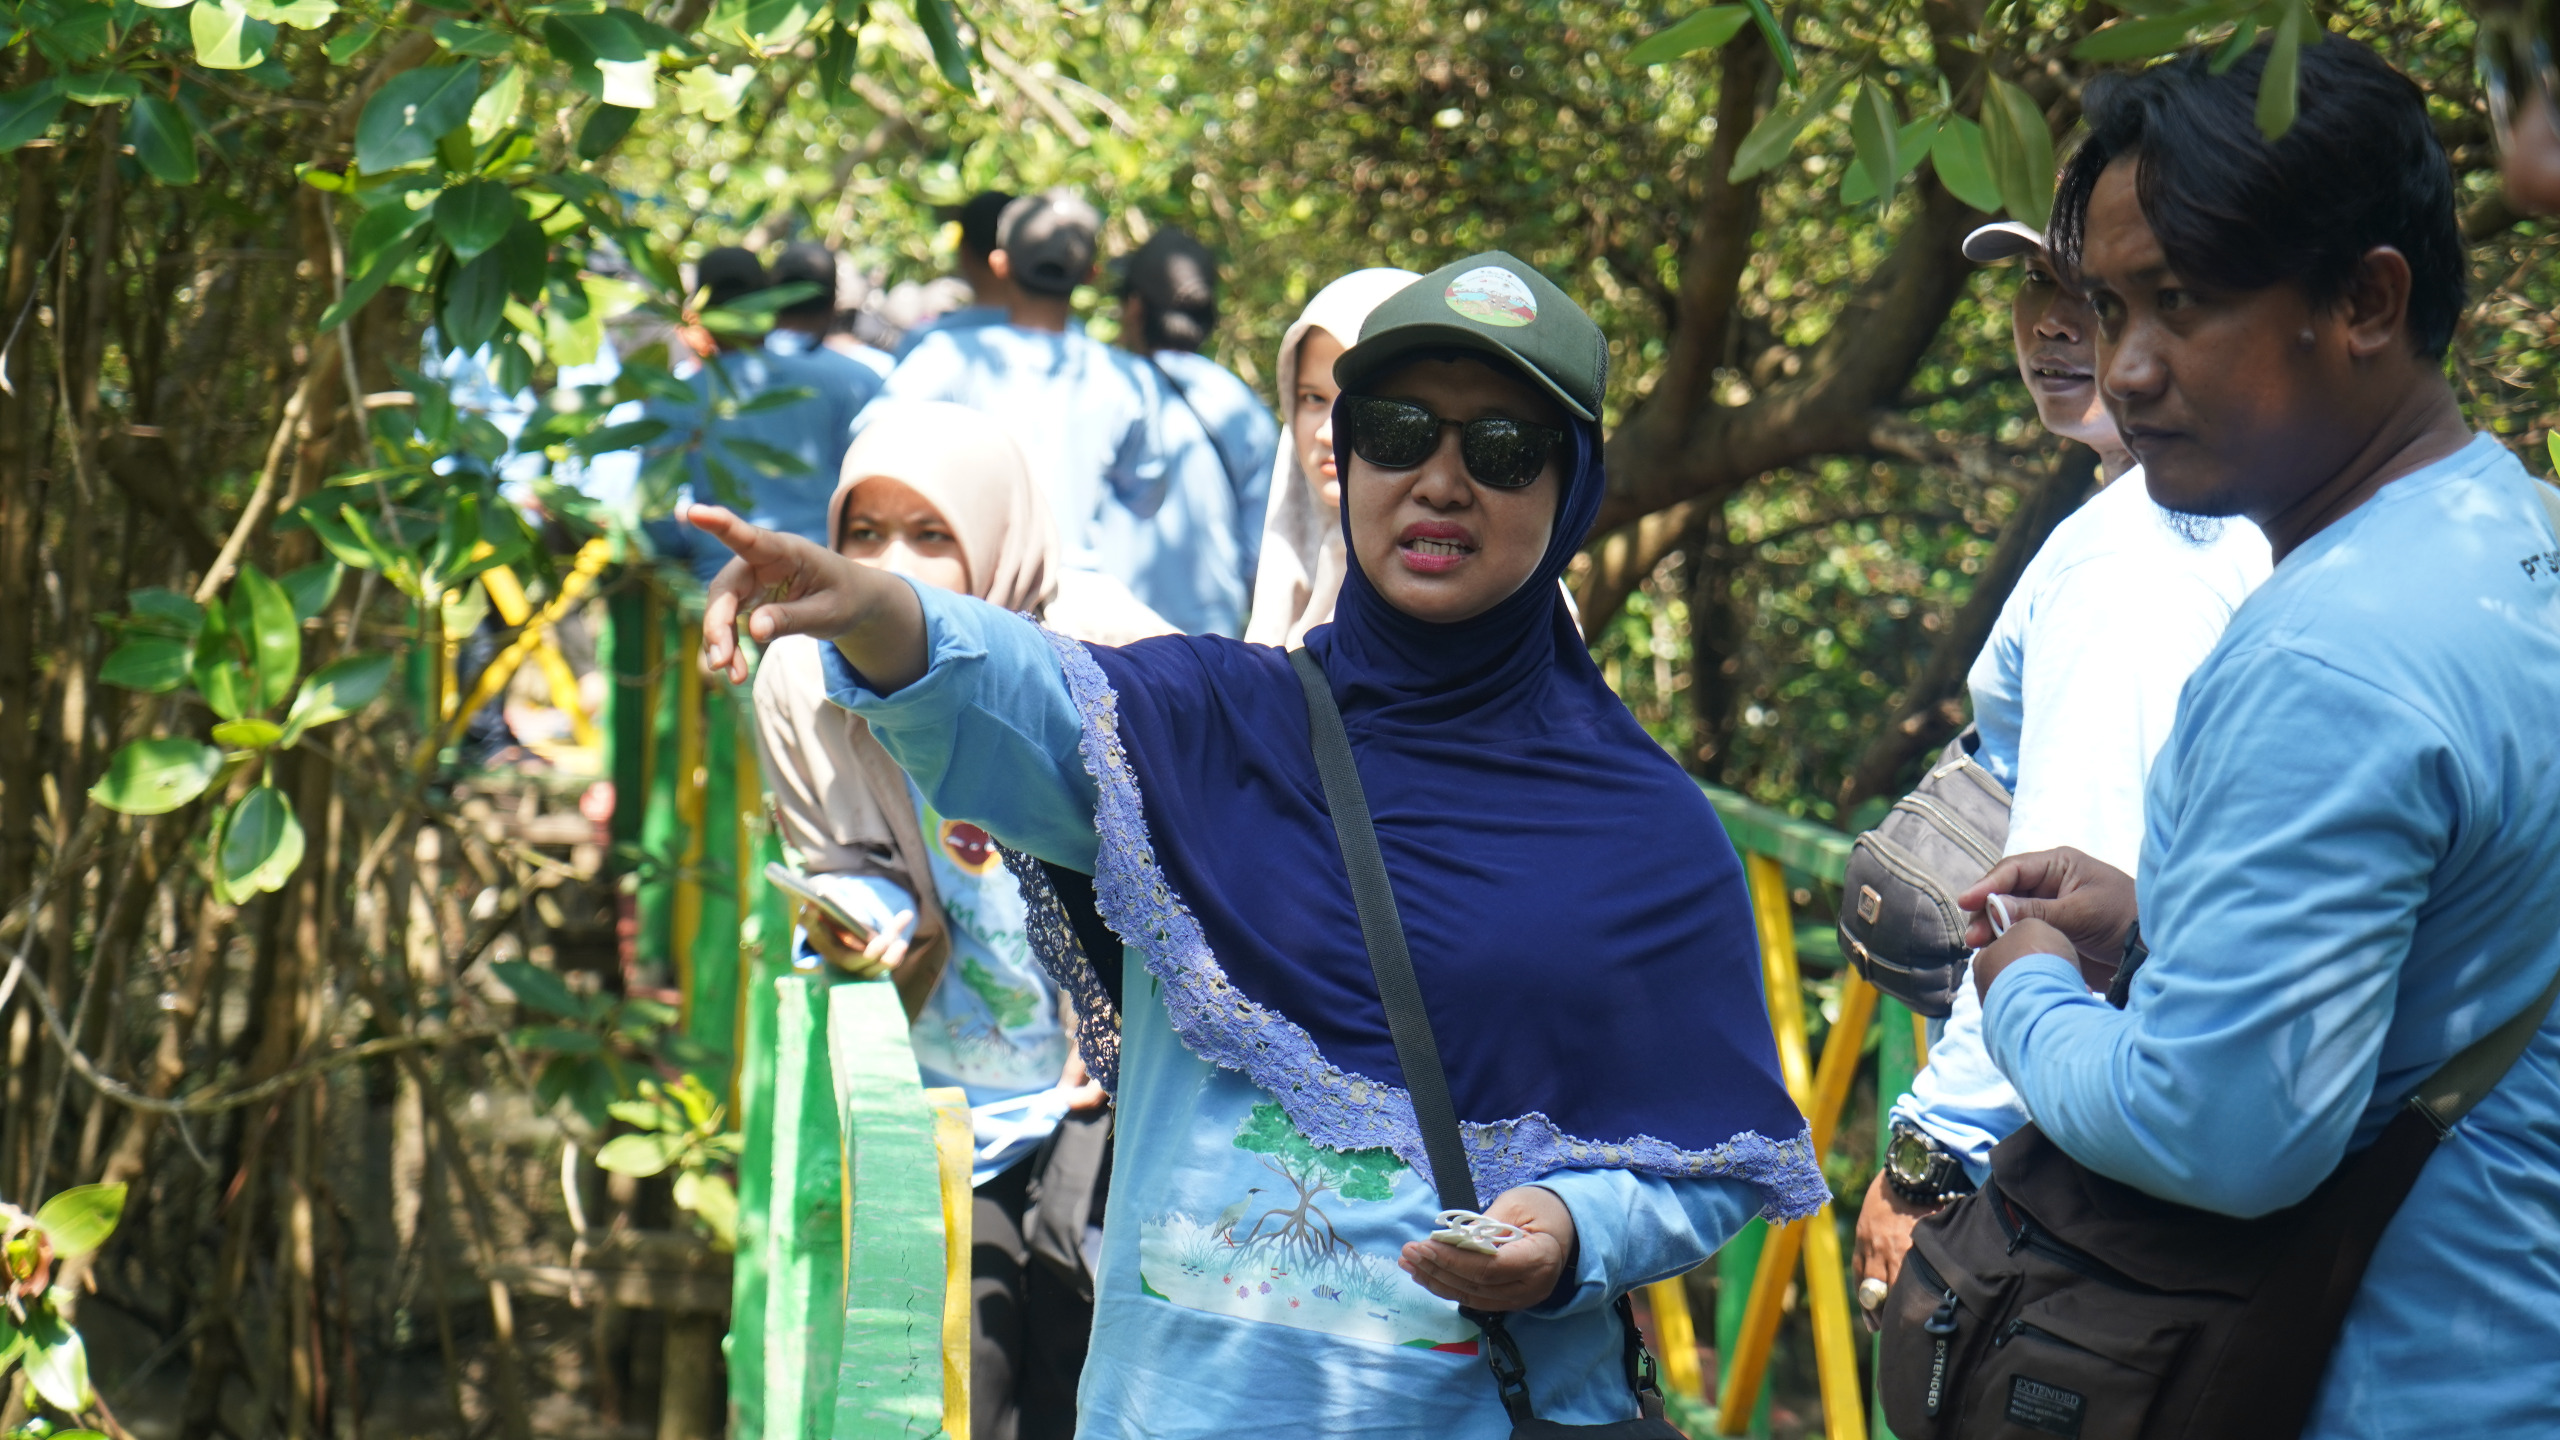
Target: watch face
(1908, 1158)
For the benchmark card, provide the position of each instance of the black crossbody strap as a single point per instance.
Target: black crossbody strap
(1417, 1053)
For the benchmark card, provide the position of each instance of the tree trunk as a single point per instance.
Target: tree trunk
(1933, 710)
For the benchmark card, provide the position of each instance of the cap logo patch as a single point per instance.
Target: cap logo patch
(1491, 295)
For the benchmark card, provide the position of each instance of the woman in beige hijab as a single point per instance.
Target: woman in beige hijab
(1301, 569)
(939, 494)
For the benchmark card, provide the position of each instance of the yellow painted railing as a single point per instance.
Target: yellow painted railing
(1808, 1250)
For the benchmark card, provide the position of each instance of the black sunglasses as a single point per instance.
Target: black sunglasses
(1398, 435)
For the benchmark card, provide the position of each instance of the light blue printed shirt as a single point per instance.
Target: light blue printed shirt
(2351, 871)
(2074, 693)
(1249, 1281)
(991, 1026)
(1243, 429)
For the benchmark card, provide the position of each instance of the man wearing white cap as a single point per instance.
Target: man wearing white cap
(2073, 694)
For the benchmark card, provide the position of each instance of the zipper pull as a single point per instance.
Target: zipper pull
(1938, 1375)
(2009, 1332)
(1942, 1321)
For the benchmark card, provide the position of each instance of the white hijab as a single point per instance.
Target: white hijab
(1302, 555)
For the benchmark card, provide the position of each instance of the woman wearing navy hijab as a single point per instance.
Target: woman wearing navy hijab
(1577, 920)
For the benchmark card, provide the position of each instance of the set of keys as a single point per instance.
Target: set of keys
(1468, 1230)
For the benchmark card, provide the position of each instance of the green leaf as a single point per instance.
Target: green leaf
(1709, 29)
(473, 216)
(1776, 34)
(249, 734)
(335, 691)
(1910, 147)
(152, 664)
(771, 461)
(1963, 167)
(2280, 87)
(638, 1155)
(648, 1113)
(604, 128)
(28, 113)
(163, 140)
(154, 777)
(379, 229)
(940, 20)
(475, 299)
(559, 1038)
(2020, 150)
(1874, 126)
(261, 843)
(80, 1219)
(402, 122)
(498, 106)
(312, 586)
(57, 1364)
(164, 612)
(773, 399)
(227, 39)
(1775, 135)
(112, 87)
(300, 14)
(462, 37)
(838, 60)
(538, 989)
(629, 435)
(2551, 442)
(368, 282)
(2140, 39)
(713, 1202)
(275, 634)
(345, 47)
(524, 256)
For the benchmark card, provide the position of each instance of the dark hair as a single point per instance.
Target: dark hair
(2360, 168)
(729, 273)
(978, 220)
(1176, 281)
(805, 262)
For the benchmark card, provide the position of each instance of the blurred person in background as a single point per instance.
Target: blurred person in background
(1168, 306)
(1301, 556)
(810, 433)
(2517, 41)
(1105, 438)
(814, 326)
(989, 293)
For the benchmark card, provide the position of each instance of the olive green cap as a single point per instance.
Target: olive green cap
(1494, 305)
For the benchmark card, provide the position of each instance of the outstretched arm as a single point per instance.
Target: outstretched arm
(783, 585)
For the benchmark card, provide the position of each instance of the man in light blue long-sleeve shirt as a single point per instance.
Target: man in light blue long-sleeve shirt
(2351, 869)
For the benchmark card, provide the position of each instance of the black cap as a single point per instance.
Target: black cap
(1177, 279)
(729, 273)
(979, 219)
(806, 262)
(1493, 305)
(1048, 238)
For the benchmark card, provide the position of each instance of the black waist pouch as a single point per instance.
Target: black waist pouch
(2056, 1301)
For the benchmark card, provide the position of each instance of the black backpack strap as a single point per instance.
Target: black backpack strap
(1417, 1053)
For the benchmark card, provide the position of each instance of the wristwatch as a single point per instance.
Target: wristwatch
(1922, 1171)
